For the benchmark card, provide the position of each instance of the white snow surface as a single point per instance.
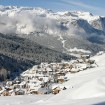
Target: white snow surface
(84, 88)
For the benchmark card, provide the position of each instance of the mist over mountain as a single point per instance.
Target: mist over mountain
(60, 31)
(50, 49)
(30, 36)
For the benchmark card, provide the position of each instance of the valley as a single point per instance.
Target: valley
(51, 58)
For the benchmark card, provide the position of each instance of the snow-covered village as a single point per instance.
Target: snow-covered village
(52, 52)
(46, 78)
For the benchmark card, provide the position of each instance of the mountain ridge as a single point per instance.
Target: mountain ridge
(54, 30)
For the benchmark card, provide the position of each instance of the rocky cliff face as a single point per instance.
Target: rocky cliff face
(55, 30)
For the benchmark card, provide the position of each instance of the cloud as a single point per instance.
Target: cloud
(81, 4)
(26, 21)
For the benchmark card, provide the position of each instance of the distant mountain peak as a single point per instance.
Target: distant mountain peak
(26, 20)
(54, 29)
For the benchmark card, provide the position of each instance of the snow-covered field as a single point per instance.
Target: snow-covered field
(84, 88)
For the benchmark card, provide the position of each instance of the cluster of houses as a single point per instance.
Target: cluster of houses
(45, 78)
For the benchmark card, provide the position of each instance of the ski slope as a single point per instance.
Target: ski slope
(83, 88)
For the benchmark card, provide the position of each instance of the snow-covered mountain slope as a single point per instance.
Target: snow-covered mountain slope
(58, 30)
(17, 54)
(24, 20)
(84, 88)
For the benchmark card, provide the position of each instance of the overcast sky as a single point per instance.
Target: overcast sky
(94, 6)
